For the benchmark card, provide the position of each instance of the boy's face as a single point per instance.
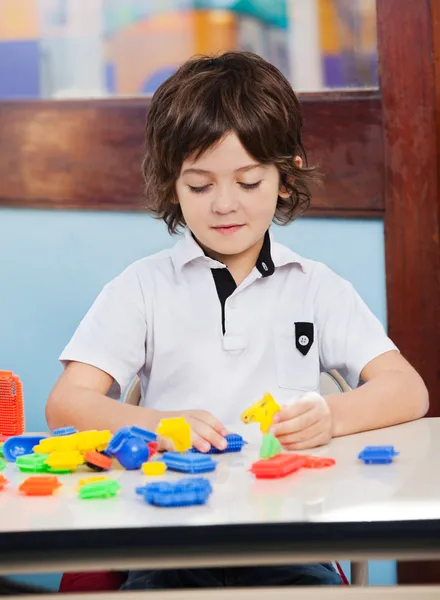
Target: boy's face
(227, 198)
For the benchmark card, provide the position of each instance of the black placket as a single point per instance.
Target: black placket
(225, 283)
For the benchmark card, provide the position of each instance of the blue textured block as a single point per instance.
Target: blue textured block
(377, 455)
(186, 492)
(189, 462)
(117, 441)
(235, 444)
(64, 431)
(146, 435)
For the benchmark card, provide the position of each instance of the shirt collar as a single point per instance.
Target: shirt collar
(272, 254)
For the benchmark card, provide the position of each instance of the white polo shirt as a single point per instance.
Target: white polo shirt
(289, 320)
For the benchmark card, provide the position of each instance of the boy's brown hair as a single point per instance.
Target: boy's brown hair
(206, 98)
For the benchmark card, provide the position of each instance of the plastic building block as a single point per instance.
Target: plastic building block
(146, 435)
(99, 489)
(82, 442)
(152, 447)
(235, 444)
(32, 463)
(11, 404)
(3, 482)
(270, 446)
(377, 455)
(65, 461)
(261, 412)
(189, 462)
(117, 441)
(277, 466)
(63, 443)
(1, 450)
(133, 453)
(317, 462)
(92, 440)
(64, 431)
(39, 486)
(19, 445)
(154, 468)
(2, 465)
(97, 461)
(187, 492)
(92, 480)
(178, 431)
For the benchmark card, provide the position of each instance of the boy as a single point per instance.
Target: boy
(228, 314)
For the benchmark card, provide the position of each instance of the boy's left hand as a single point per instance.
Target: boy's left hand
(307, 423)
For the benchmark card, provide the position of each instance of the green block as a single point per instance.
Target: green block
(2, 465)
(32, 463)
(56, 471)
(99, 489)
(270, 446)
(1, 446)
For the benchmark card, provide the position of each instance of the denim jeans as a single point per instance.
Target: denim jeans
(320, 574)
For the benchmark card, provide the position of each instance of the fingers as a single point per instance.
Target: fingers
(302, 436)
(209, 419)
(205, 436)
(319, 440)
(296, 424)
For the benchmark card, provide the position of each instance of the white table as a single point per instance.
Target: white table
(343, 512)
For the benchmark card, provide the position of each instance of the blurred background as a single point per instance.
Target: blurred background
(100, 48)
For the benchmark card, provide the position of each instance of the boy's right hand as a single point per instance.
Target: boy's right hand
(206, 430)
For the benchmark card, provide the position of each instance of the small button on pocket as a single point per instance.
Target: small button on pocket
(297, 358)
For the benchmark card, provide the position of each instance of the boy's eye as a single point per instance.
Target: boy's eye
(250, 186)
(199, 190)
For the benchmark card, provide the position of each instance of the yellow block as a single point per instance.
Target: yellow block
(82, 441)
(65, 460)
(63, 443)
(178, 431)
(261, 412)
(92, 440)
(154, 468)
(18, 20)
(91, 480)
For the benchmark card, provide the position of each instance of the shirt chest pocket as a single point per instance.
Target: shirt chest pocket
(297, 356)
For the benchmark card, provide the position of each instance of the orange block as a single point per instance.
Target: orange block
(11, 404)
(39, 486)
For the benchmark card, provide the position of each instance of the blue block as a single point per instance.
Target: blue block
(148, 436)
(189, 462)
(133, 453)
(235, 444)
(64, 431)
(19, 445)
(187, 492)
(117, 441)
(377, 455)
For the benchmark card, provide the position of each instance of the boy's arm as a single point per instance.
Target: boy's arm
(79, 399)
(393, 392)
(352, 340)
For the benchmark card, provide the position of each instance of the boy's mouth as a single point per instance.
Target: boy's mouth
(227, 229)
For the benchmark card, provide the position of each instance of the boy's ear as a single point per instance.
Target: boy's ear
(284, 192)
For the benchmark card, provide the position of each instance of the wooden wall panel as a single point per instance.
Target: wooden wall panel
(86, 154)
(409, 40)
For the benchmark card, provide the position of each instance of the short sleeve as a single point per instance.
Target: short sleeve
(349, 334)
(112, 335)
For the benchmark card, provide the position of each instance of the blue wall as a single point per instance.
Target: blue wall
(53, 265)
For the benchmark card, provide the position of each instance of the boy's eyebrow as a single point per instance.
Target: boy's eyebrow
(204, 172)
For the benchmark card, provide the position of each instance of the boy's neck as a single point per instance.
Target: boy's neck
(239, 265)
